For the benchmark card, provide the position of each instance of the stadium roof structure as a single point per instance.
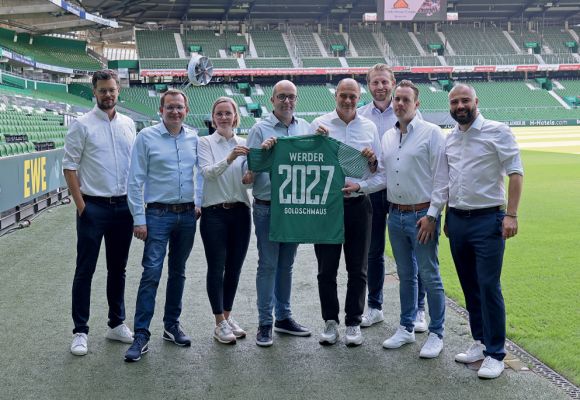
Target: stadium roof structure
(172, 11)
(42, 16)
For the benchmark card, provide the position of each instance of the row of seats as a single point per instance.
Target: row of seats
(465, 40)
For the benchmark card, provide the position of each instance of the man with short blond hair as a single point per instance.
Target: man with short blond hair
(381, 82)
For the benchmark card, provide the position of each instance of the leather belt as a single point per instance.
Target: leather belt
(262, 202)
(175, 208)
(105, 200)
(226, 206)
(411, 207)
(476, 211)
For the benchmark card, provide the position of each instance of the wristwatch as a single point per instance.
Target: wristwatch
(431, 218)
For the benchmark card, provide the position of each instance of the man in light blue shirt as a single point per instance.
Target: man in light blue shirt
(275, 260)
(381, 82)
(162, 197)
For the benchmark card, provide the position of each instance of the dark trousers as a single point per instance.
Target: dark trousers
(226, 236)
(477, 248)
(115, 223)
(376, 258)
(357, 238)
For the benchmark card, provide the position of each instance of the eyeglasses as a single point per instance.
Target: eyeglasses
(174, 108)
(283, 97)
(105, 91)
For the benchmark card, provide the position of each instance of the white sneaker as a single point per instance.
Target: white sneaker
(490, 368)
(353, 336)
(120, 333)
(420, 322)
(79, 344)
(371, 317)
(330, 334)
(236, 329)
(401, 337)
(223, 333)
(473, 354)
(432, 346)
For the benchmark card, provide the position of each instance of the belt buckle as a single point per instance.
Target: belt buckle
(227, 206)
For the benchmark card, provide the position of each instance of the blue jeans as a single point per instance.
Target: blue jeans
(274, 275)
(114, 223)
(414, 258)
(477, 248)
(163, 227)
(226, 236)
(376, 259)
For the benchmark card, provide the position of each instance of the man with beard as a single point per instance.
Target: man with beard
(381, 81)
(346, 125)
(275, 259)
(163, 197)
(480, 153)
(97, 152)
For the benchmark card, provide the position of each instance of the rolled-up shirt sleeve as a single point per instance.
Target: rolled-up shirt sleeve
(73, 146)
(508, 151)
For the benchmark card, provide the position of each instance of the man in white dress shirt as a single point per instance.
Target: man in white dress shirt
(412, 152)
(480, 153)
(96, 163)
(346, 125)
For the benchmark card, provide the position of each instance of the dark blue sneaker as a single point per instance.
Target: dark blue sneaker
(291, 327)
(140, 346)
(264, 336)
(176, 335)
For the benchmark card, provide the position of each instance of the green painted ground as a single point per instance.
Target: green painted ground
(36, 270)
(541, 273)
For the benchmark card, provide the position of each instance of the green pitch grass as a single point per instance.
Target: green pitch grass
(541, 271)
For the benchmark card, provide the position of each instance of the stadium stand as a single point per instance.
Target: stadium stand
(330, 62)
(364, 61)
(305, 43)
(50, 50)
(490, 59)
(330, 38)
(364, 42)
(571, 88)
(428, 36)
(156, 44)
(269, 44)
(269, 63)
(211, 42)
(163, 63)
(399, 41)
(228, 63)
(28, 130)
(472, 40)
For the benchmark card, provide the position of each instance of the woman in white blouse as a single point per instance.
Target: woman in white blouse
(225, 219)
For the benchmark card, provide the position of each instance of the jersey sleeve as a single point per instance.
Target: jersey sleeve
(260, 160)
(352, 162)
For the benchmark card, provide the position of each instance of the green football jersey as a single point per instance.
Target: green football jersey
(307, 174)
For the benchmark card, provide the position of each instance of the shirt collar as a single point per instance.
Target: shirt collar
(334, 117)
(163, 129)
(389, 109)
(101, 114)
(275, 121)
(219, 138)
(410, 126)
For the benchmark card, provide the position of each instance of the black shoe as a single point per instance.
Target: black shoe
(264, 336)
(176, 335)
(291, 327)
(140, 346)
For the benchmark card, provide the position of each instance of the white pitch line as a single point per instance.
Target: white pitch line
(558, 136)
(549, 144)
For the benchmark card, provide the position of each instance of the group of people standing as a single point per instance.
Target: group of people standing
(125, 185)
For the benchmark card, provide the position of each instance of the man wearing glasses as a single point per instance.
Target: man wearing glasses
(161, 193)
(96, 160)
(275, 259)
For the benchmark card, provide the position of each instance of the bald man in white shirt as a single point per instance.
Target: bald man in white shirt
(480, 153)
